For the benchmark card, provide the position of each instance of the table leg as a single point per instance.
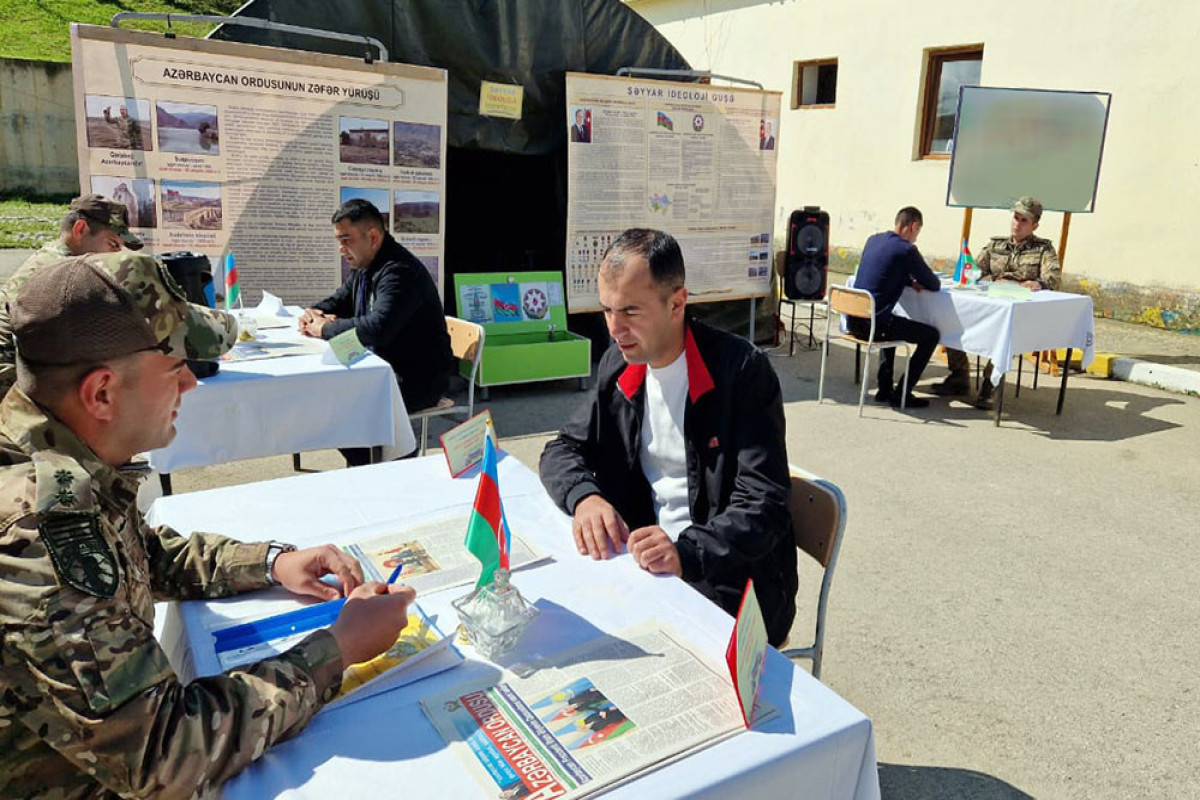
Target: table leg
(1020, 361)
(295, 462)
(164, 478)
(999, 400)
(1062, 389)
(812, 317)
(376, 454)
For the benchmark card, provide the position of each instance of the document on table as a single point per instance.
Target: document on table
(420, 650)
(591, 717)
(432, 551)
(258, 349)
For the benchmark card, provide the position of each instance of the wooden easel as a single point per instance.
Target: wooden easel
(1046, 360)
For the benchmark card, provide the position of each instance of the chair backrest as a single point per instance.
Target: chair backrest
(818, 516)
(852, 302)
(466, 343)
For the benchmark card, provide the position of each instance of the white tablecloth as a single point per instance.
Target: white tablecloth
(999, 328)
(276, 406)
(818, 747)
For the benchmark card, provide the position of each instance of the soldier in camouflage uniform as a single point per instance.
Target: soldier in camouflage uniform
(89, 705)
(128, 128)
(94, 224)
(1020, 257)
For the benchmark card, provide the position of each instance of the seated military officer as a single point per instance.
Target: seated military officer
(89, 705)
(1020, 257)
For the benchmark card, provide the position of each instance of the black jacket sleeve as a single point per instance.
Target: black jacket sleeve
(756, 520)
(394, 305)
(340, 303)
(568, 463)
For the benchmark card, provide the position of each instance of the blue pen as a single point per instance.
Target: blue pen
(395, 574)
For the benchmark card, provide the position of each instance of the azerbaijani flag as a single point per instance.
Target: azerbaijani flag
(233, 289)
(488, 536)
(966, 263)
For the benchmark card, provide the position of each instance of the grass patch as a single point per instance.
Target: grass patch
(41, 30)
(26, 224)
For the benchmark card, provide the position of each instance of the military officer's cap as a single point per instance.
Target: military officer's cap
(92, 308)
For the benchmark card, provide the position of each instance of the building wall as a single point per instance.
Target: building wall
(858, 159)
(37, 128)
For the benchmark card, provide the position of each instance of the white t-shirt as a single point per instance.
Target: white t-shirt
(663, 454)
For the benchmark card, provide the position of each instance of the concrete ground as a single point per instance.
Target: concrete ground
(1017, 608)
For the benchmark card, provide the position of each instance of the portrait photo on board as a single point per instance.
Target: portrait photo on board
(581, 125)
(118, 123)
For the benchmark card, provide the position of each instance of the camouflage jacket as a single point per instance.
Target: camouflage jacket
(1032, 260)
(89, 705)
(51, 252)
(127, 127)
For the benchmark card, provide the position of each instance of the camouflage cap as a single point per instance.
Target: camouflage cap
(91, 308)
(99, 208)
(1028, 207)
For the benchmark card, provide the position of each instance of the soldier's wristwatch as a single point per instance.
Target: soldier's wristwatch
(273, 552)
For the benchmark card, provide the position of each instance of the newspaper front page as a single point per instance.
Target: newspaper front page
(218, 147)
(588, 718)
(695, 160)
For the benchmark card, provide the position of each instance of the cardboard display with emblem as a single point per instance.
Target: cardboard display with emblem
(524, 318)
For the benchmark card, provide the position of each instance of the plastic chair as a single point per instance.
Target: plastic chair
(818, 510)
(466, 343)
(858, 303)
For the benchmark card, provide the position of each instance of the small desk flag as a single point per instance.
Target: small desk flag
(488, 537)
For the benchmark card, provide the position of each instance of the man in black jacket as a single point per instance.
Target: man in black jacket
(392, 304)
(679, 453)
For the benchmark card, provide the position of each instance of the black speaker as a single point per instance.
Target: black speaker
(806, 270)
(193, 272)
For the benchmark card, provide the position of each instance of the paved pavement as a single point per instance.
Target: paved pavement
(1017, 608)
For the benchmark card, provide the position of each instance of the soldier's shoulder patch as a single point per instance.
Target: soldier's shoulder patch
(62, 484)
(79, 552)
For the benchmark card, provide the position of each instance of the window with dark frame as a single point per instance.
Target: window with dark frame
(947, 70)
(814, 83)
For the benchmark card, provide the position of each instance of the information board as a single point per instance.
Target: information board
(218, 147)
(695, 160)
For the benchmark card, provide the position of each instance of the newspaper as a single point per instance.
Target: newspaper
(588, 718)
(421, 649)
(432, 552)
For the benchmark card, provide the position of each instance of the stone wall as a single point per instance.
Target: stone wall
(37, 128)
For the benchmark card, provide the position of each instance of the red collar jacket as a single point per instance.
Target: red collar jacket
(736, 461)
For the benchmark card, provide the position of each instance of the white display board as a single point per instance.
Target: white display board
(1009, 143)
(220, 147)
(695, 160)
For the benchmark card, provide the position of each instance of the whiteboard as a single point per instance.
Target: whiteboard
(1009, 143)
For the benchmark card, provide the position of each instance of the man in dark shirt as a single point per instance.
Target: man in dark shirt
(392, 303)
(890, 262)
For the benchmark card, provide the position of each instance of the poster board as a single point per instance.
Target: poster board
(228, 147)
(1009, 143)
(695, 160)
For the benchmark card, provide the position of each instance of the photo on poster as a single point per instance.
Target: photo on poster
(377, 197)
(766, 133)
(418, 212)
(581, 716)
(418, 145)
(506, 302)
(136, 194)
(581, 125)
(121, 123)
(187, 128)
(191, 205)
(431, 264)
(535, 302)
(362, 141)
(475, 303)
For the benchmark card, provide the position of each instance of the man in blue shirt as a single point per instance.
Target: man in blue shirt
(890, 262)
